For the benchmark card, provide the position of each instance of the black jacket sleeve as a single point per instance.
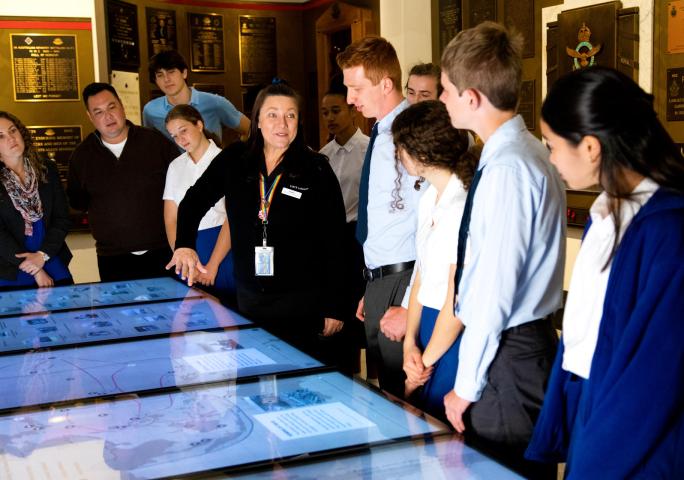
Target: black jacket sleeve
(56, 213)
(78, 195)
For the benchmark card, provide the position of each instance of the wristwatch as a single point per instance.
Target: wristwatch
(45, 256)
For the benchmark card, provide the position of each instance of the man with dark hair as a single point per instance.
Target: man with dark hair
(423, 83)
(117, 175)
(170, 73)
(372, 75)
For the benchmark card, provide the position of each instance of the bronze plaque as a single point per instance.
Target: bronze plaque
(206, 42)
(57, 143)
(44, 67)
(122, 32)
(526, 105)
(481, 11)
(675, 94)
(520, 15)
(161, 30)
(216, 88)
(450, 21)
(258, 55)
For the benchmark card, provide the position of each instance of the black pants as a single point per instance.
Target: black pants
(114, 268)
(501, 422)
(389, 355)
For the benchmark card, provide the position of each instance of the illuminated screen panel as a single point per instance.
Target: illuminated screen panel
(204, 428)
(18, 302)
(433, 458)
(45, 376)
(110, 323)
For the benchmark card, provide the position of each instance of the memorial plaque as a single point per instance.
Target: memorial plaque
(122, 31)
(675, 94)
(161, 30)
(520, 15)
(215, 88)
(481, 11)
(450, 21)
(44, 67)
(526, 105)
(258, 57)
(56, 142)
(206, 42)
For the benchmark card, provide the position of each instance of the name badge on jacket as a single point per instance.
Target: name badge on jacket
(291, 193)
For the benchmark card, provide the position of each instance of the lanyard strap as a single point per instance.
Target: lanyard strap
(266, 197)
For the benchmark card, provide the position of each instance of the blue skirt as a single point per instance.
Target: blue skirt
(224, 283)
(54, 267)
(444, 373)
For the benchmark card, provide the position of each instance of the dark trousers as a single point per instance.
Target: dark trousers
(389, 356)
(114, 268)
(500, 424)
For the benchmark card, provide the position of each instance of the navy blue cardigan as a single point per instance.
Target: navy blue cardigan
(627, 419)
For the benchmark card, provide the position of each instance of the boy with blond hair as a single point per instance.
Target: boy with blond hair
(514, 225)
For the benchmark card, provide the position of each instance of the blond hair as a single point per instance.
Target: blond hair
(378, 58)
(486, 58)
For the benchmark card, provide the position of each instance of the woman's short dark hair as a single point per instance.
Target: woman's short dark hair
(255, 142)
(608, 105)
(424, 132)
(39, 166)
(192, 115)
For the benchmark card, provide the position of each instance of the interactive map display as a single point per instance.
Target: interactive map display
(109, 323)
(203, 428)
(435, 458)
(89, 295)
(43, 377)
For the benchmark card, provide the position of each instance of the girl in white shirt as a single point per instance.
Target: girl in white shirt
(186, 127)
(428, 146)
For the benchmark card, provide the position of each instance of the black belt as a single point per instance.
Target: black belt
(377, 273)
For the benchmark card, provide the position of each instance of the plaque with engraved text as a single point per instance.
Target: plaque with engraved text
(56, 142)
(206, 42)
(44, 67)
(122, 32)
(161, 30)
(258, 59)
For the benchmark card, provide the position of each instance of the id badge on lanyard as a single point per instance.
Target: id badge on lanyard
(263, 255)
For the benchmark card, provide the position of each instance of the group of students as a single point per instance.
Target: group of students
(463, 247)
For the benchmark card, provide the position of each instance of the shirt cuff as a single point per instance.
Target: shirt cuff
(468, 390)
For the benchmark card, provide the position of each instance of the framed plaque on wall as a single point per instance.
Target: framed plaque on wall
(122, 34)
(258, 56)
(206, 42)
(161, 30)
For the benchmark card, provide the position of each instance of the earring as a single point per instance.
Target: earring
(418, 183)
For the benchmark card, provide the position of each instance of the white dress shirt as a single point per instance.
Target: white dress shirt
(437, 240)
(346, 161)
(391, 232)
(183, 173)
(584, 306)
(517, 241)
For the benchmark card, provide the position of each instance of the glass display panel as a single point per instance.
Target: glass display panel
(433, 458)
(112, 323)
(18, 302)
(203, 428)
(49, 376)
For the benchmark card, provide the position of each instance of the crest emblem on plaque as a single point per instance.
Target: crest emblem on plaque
(584, 53)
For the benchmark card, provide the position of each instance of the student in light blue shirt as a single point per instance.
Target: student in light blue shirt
(170, 72)
(513, 279)
(372, 75)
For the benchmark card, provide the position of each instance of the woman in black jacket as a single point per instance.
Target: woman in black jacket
(34, 217)
(287, 219)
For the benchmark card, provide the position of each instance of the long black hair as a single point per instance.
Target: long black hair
(608, 105)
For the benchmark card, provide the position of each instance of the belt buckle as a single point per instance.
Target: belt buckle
(369, 275)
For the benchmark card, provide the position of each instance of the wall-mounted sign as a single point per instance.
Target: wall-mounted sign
(161, 30)
(57, 143)
(44, 67)
(122, 32)
(206, 42)
(258, 57)
(481, 11)
(127, 85)
(675, 27)
(450, 21)
(526, 105)
(675, 94)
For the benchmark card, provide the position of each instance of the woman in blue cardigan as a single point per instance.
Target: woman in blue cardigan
(614, 406)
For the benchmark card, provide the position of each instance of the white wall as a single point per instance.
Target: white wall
(51, 9)
(406, 24)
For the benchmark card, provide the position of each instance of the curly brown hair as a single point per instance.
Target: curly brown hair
(39, 166)
(424, 131)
